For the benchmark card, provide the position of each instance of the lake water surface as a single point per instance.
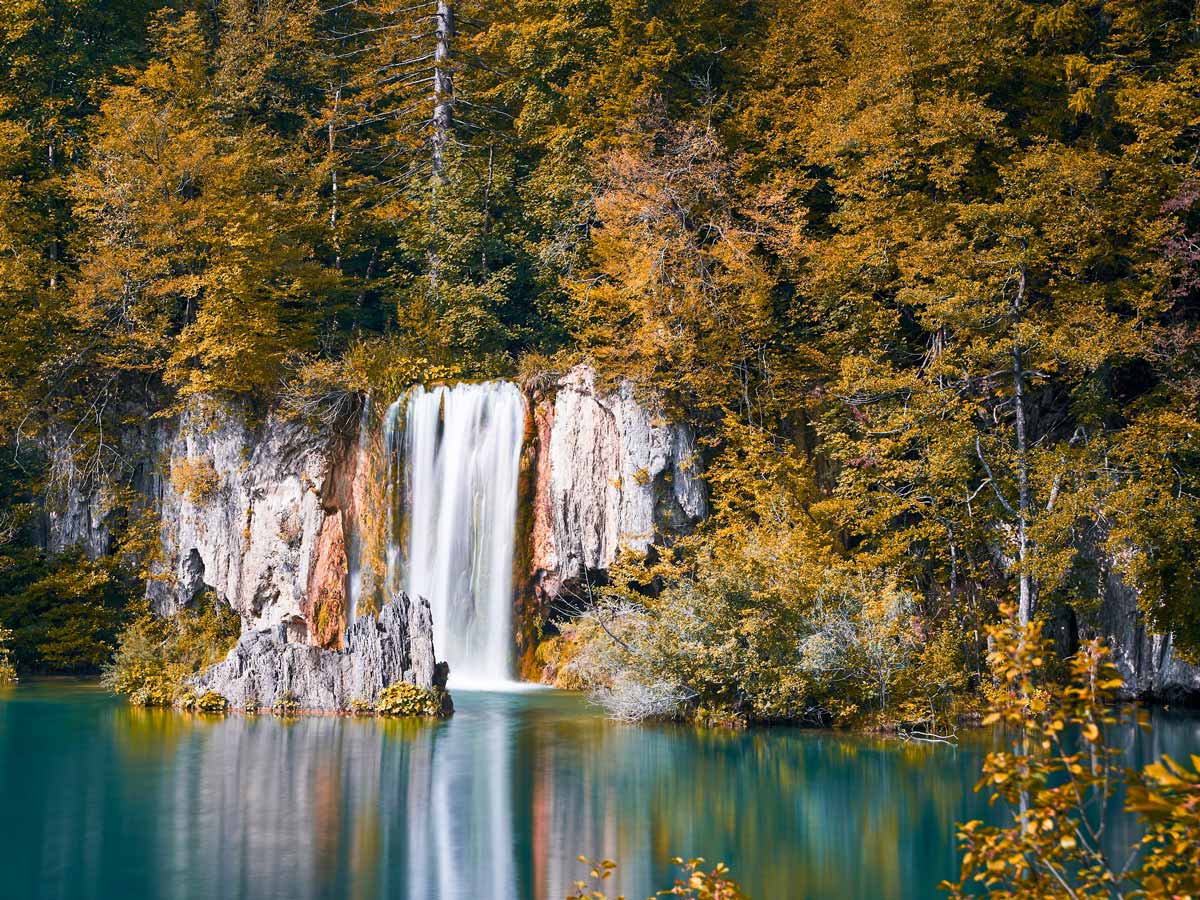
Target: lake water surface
(101, 800)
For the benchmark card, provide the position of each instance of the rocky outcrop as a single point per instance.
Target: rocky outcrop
(243, 514)
(266, 665)
(84, 495)
(1147, 661)
(611, 473)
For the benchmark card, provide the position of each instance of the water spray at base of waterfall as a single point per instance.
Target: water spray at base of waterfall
(454, 461)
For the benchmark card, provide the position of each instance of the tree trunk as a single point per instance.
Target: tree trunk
(1025, 605)
(443, 91)
(333, 178)
(443, 122)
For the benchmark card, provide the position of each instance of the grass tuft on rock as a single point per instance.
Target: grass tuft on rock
(404, 699)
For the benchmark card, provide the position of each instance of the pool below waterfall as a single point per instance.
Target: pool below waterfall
(103, 801)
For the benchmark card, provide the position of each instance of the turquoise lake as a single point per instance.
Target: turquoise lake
(101, 801)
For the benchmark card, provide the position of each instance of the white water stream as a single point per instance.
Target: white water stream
(455, 455)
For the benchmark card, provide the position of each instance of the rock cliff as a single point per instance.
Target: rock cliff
(1147, 661)
(610, 473)
(266, 665)
(243, 513)
(288, 524)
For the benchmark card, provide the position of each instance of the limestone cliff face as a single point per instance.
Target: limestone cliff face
(244, 512)
(1147, 661)
(610, 473)
(287, 524)
(79, 504)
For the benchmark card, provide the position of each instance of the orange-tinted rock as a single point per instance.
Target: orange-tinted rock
(325, 610)
(543, 560)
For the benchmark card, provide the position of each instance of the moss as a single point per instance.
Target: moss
(529, 609)
(404, 699)
(212, 702)
(554, 656)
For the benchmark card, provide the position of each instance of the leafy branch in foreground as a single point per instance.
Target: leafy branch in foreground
(694, 882)
(1057, 777)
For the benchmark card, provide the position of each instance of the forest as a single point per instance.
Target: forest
(922, 275)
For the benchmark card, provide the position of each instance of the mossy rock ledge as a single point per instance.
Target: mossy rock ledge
(395, 647)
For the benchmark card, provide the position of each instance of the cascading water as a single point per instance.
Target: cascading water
(454, 461)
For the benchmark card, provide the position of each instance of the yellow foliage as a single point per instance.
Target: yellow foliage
(195, 479)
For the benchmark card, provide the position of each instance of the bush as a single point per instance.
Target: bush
(64, 611)
(693, 883)
(212, 702)
(1058, 775)
(630, 699)
(287, 704)
(157, 656)
(8, 672)
(404, 699)
(197, 480)
(361, 707)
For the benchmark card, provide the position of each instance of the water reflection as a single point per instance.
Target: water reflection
(98, 800)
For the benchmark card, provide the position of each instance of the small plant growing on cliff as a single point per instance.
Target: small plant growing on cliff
(361, 707)
(197, 479)
(8, 672)
(404, 699)
(287, 704)
(212, 702)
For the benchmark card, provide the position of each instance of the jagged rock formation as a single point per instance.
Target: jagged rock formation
(266, 666)
(609, 473)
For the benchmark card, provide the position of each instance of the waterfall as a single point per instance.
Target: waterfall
(454, 461)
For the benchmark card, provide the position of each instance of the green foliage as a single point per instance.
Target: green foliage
(64, 612)
(8, 672)
(361, 707)
(404, 699)
(156, 656)
(1057, 776)
(195, 479)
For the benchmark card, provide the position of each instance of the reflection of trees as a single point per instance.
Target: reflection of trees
(495, 803)
(795, 814)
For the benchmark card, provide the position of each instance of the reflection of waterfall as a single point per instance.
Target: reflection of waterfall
(106, 800)
(458, 455)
